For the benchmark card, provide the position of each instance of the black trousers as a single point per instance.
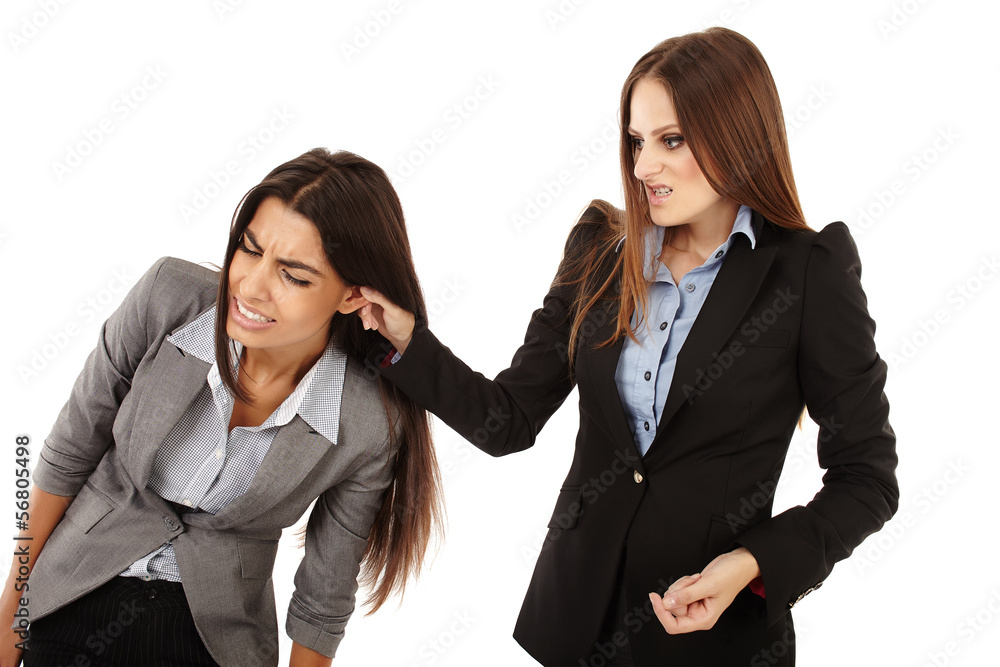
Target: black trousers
(127, 621)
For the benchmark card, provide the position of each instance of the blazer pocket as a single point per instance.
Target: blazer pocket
(88, 508)
(256, 557)
(568, 508)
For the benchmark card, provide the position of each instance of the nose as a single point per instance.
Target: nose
(646, 165)
(255, 285)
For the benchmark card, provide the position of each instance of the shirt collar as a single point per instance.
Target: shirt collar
(653, 269)
(197, 337)
(316, 398)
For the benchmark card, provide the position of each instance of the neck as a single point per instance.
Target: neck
(263, 367)
(702, 237)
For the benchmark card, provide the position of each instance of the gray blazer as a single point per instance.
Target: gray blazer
(133, 389)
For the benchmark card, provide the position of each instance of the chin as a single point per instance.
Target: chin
(661, 220)
(235, 333)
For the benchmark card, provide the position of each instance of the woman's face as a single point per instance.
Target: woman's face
(282, 290)
(676, 189)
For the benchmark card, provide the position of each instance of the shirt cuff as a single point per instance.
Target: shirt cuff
(391, 358)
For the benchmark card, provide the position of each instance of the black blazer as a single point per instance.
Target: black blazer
(785, 324)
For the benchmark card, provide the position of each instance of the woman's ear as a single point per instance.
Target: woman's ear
(353, 301)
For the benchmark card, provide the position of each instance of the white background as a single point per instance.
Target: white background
(866, 87)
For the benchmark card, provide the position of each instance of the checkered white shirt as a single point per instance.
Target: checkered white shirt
(203, 466)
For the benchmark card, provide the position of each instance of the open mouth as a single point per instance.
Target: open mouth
(250, 315)
(658, 195)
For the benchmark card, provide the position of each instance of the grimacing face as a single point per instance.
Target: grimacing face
(282, 290)
(675, 187)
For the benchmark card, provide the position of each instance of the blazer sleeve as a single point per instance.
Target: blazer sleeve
(842, 379)
(326, 580)
(82, 432)
(503, 415)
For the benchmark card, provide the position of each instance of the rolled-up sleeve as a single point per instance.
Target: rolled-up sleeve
(336, 538)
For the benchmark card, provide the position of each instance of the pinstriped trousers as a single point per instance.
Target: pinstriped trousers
(127, 621)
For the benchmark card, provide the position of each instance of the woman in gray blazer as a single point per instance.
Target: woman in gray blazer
(160, 496)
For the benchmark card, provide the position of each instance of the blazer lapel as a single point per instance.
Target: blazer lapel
(601, 365)
(294, 453)
(733, 291)
(174, 380)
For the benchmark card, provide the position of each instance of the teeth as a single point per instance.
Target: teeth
(253, 316)
(662, 192)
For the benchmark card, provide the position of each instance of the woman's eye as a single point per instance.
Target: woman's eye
(673, 141)
(295, 281)
(243, 246)
(636, 143)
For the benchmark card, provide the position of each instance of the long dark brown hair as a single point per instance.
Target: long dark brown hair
(729, 113)
(360, 220)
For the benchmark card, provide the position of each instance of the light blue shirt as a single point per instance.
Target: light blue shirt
(645, 370)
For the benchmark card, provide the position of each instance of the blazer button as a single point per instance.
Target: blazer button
(637, 477)
(804, 593)
(170, 523)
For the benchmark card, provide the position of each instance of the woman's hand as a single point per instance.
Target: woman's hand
(306, 657)
(47, 510)
(697, 602)
(10, 655)
(685, 581)
(394, 323)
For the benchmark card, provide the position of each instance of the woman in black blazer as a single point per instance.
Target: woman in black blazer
(697, 324)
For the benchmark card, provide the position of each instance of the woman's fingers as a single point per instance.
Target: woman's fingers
(685, 596)
(375, 296)
(384, 316)
(687, 606)
(699, 616)
(381, 305)
(669, 622)
(678, 609)
(684, 582)
(365, 313)
(701, 599)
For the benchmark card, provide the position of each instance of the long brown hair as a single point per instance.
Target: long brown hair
(360, 220)
(728, 109)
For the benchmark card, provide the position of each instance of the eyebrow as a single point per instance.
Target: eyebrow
(657, 130)
(290, 263)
